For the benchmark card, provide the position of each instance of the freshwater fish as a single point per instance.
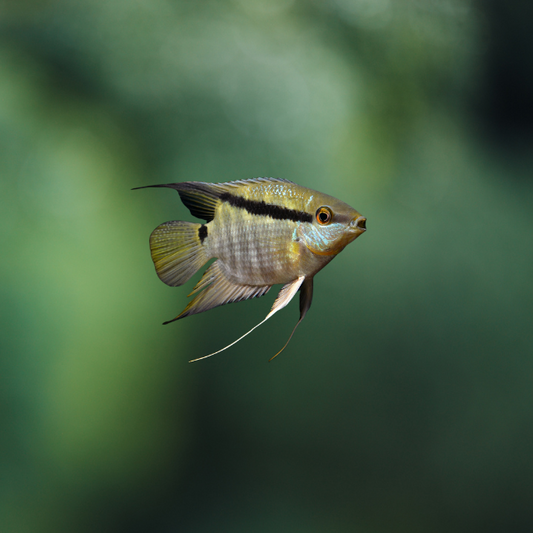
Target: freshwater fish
(262, 232)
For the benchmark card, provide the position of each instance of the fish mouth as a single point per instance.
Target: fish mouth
(358, 224)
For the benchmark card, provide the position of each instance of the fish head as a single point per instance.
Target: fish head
(334, 225)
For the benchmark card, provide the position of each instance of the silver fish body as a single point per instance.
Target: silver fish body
(262, 231)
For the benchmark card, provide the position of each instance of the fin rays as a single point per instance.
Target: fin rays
(306, 297)
(284, 297)
(217, 290)
(177, 251)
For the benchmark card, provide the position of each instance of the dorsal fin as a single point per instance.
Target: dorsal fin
(202, 198)
(253, 181)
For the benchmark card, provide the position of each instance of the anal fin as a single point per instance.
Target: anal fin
(217, 290)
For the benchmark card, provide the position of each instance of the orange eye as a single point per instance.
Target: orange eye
(323, 215)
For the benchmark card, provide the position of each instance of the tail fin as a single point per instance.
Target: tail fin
(178, 250)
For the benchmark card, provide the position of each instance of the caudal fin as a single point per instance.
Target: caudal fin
(178, 250)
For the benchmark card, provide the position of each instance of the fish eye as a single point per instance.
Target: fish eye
(323, 215)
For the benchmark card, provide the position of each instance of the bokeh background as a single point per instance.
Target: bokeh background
(404, 402)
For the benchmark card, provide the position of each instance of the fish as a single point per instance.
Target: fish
(262, 232)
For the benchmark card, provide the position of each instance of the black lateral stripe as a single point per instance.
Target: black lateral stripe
(202, 232)
(268, 210)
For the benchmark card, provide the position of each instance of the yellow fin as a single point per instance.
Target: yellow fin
(178, 250)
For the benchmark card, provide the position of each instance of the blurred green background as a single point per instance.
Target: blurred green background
(404, 403)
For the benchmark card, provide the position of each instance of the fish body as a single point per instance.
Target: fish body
(262, 232)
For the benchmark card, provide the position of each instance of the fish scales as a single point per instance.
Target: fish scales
(255, 252)
(257, 249)
(262, 232)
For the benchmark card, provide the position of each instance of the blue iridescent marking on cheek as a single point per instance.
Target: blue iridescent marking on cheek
(325, 237)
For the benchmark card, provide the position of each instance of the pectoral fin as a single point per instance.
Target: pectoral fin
(284, 297)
